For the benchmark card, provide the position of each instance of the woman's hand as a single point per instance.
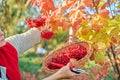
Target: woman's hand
(2, 39)
(63, 73)
(66, 73)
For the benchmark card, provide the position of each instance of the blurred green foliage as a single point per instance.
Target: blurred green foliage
(13, 15)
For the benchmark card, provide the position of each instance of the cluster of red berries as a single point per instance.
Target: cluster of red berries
(46, 34)
(59, 62)
(76, 52)
(35, 22)
(40, 22)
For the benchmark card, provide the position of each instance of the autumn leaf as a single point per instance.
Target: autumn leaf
(69, 3)
(71, 13)
(97, 37)
(55, 25)
(76, 24)
(88, 3)
(96, 27)
(65, 25)
(85, 30)
(99, 58)
(115, 33)
(81, 6)
(113, 40)
(103, 5)
(45, 7)
(104, 13)
(101, 46)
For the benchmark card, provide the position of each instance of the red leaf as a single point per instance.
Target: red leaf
(88, 3)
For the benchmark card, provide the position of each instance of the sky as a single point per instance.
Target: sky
(0, 0)
(57, 2)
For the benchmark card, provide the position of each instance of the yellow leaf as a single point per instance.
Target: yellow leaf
(97, 37)
(99, 57)
(101, 45)
(85, 30)
(101, 4)
(84, 22)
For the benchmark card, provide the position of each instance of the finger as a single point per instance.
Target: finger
(73, 63)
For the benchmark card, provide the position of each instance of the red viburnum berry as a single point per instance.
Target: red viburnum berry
(29, 23)
(38, 22)
(58, 62)
(74, 52)
(46, 34)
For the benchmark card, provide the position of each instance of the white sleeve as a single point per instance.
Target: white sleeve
(24, 41)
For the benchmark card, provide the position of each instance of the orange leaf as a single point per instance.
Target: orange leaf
(113, 39)
(85, 30)
(54, 25)
(70, 3)
(45, 7)
(104, 13)
(65, 25)
(70, 15)
(75, 25)
(82, 6)
(96, 28)
(88, 3)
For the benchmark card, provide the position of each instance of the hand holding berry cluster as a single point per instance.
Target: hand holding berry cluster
(40, 24)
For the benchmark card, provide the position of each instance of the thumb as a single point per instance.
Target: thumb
(73, 63)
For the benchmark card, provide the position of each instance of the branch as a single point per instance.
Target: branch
(96, 6)
(109, 56)
(116, 64)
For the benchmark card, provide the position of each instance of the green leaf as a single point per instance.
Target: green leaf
(100, 57)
